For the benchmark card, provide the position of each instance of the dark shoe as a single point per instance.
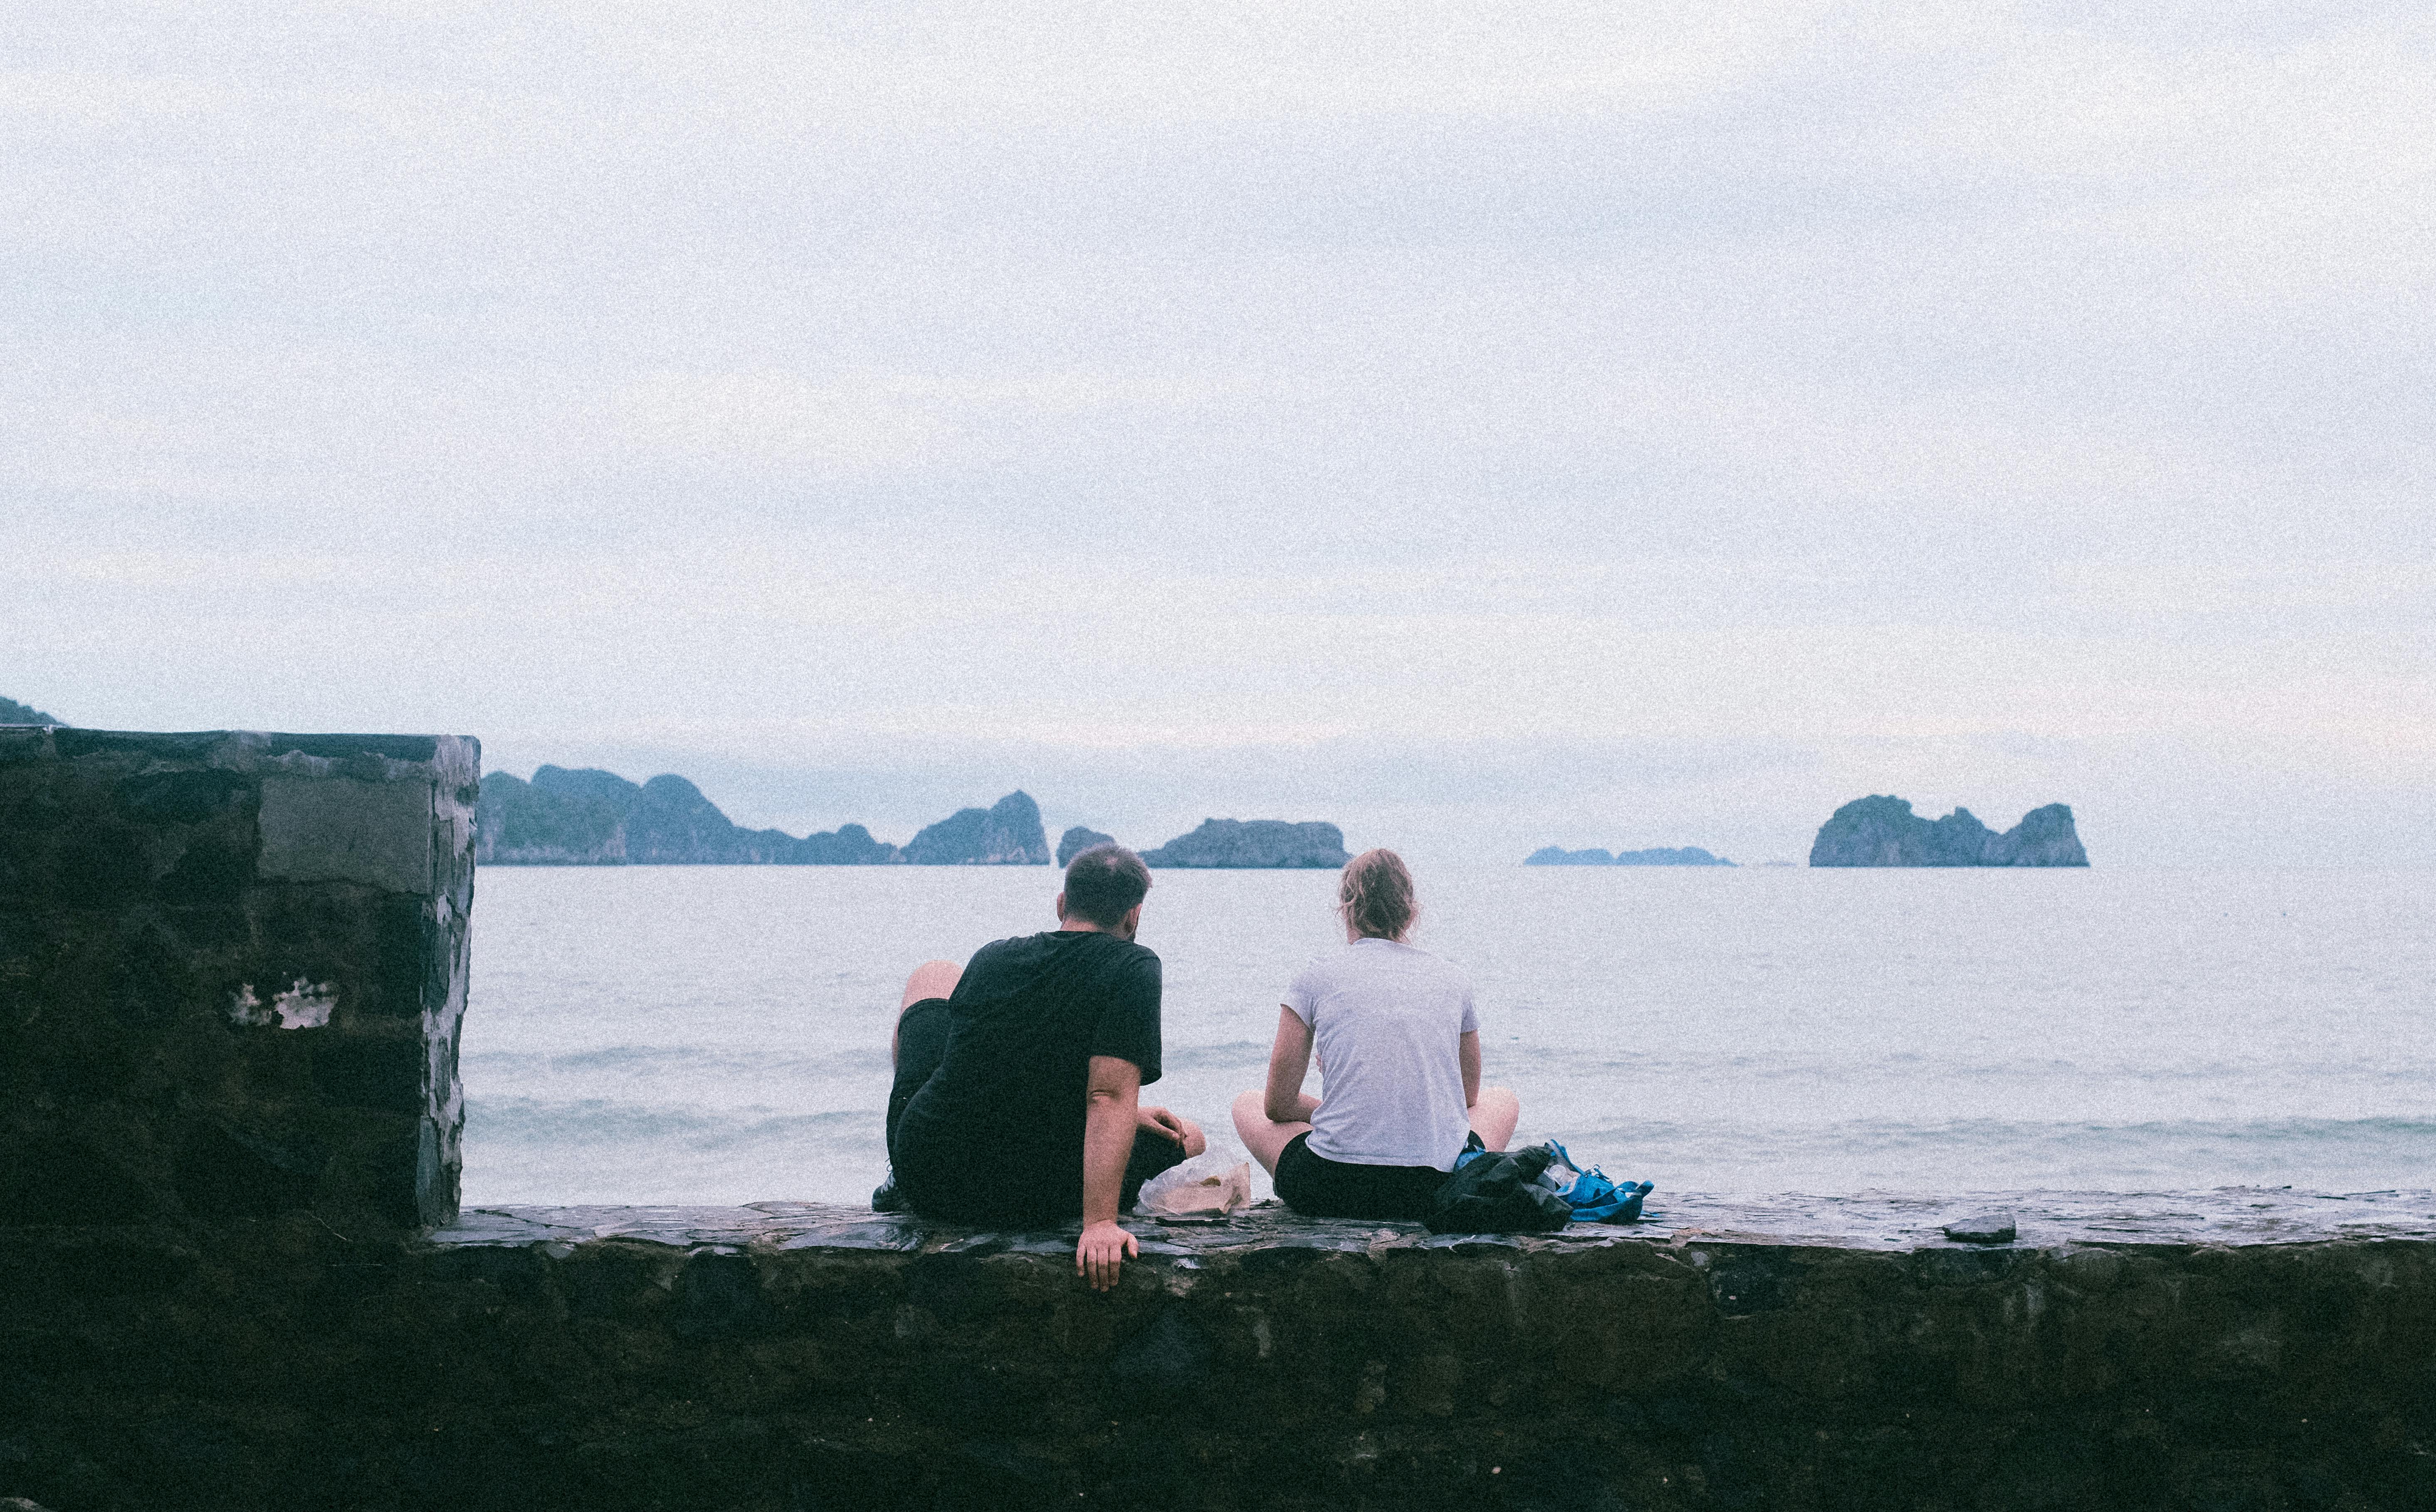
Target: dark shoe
(885, 1198)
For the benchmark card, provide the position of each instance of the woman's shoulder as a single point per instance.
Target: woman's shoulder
(1333, 968)
(1428, 972)
(1374, 959)
(1409, 953)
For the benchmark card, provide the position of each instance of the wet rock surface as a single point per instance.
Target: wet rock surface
(2231, 1216)
(1981, 1229)
(2227, 1350)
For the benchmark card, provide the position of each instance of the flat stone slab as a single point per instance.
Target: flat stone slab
(2226, 1216)
(1981, 1229)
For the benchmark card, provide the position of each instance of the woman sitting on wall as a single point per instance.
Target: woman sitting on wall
(1399, 1050)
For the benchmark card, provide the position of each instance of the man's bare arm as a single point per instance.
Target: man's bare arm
(1468, 1056)
(1109, 1120)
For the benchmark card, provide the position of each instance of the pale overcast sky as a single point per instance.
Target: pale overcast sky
(1485, 427)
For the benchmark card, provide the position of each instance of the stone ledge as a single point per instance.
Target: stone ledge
(2044, 1220)
(2267, 1350)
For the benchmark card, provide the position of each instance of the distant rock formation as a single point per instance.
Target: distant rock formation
(1078, 840)
(595, 818)
(13, 712)
(1660, 856)
(1254, 843)
(671, 823)
(1883, 831)
(1007, 833)
(561, 817)
(847, 845)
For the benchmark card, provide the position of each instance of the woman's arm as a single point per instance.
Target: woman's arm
(1468, 1055)
(1289, 1060)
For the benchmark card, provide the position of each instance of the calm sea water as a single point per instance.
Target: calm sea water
(658, 1034)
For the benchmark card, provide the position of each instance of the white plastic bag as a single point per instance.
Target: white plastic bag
(1211, 1185)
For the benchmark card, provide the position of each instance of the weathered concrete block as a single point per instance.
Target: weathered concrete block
(232, 976)
(339, 829)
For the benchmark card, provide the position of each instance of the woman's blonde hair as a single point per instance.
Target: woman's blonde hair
(1376, 895)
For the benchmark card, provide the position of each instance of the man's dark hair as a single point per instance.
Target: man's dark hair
(1105, 881)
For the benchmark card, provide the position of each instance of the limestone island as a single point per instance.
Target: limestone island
(1658, 856)
(1254, 843)
(1078, 840)
(1007, 833)
(1883, 831)
(13, 712)
(589, 817)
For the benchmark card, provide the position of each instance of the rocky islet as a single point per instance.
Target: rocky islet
(1008, 833)
(1249, 843)
(589, 817)
(1078, 840)
(1656, 856)
(594, 818)
(1883, 831)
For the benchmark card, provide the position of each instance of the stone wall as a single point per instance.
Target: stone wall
(232, 969)
(2243, 1352)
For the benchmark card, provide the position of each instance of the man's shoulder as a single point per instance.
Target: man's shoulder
(1004, 965)
(998, 952)
(1134, 949)
(1114, 948)
(1013, 944)
(1024, 954)
(1124, 967)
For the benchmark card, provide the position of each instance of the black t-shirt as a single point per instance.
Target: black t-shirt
(996, 1134)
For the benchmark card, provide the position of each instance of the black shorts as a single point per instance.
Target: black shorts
(921, 1044)
(1317, 1187)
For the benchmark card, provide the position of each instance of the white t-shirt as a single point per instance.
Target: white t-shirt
(1384, 1017)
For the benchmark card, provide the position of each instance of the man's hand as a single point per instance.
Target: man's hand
(1101, 1252)
(1161, 1120)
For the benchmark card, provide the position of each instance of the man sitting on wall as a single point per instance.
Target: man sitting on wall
(1017, 1101)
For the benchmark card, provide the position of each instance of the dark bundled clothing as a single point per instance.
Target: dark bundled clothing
(985, 1119)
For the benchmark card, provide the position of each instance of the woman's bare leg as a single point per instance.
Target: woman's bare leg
(1262, 1136)
(1494, 1116)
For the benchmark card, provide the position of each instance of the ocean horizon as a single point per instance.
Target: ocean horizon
(720, 1034)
